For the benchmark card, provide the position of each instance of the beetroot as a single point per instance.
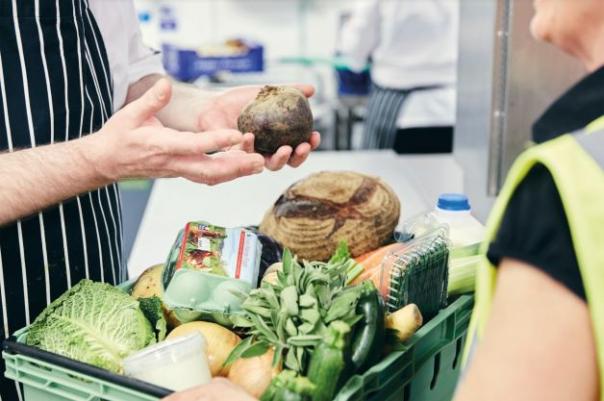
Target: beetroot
(279, 116)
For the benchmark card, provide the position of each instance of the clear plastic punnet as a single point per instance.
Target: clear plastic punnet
(418, 272)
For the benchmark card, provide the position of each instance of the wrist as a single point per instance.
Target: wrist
(204, 109)
(99, 158)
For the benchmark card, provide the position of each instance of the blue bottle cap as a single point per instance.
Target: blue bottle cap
(453, 202)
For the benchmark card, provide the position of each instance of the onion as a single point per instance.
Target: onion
(254, 374)
(220, 341)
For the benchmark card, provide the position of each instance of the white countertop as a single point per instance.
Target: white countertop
(417, 180)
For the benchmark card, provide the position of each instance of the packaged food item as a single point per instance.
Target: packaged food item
(455, 211)
(231, 252)
(196, 295)
(176, 364)
(417, 274)
(465, 237)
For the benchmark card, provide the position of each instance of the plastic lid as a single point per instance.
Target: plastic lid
(165, 353)
(453, 202)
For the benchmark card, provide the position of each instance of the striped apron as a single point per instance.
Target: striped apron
(383, 108)
(55, 86)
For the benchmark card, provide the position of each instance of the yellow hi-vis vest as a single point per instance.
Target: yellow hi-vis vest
(576, 163)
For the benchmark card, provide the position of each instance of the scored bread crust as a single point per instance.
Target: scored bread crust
(316, 213)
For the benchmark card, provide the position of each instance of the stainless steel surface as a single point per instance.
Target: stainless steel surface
(537, 74)
(499, 97)
(505, 81)
(474, 98)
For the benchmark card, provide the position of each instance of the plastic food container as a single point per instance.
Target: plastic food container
(176, 364)
(417, 273)
(455, 211)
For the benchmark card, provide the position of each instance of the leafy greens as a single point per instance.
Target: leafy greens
(93, 323)
(292, 315)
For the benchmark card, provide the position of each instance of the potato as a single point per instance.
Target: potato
(150, 283)
(278, 116)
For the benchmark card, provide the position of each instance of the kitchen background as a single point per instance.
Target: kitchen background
(298, 38)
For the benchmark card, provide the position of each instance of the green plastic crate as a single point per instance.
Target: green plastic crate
(426, 369)
(48, 377)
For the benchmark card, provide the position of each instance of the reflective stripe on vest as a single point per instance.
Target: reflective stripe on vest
(576, 163)
(592, 144)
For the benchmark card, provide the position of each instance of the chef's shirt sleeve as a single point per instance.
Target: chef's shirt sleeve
(359, 35)
(142, 59)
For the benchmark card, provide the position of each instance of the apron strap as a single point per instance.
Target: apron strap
(383, 109)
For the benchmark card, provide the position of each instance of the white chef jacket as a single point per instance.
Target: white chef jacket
(412, 43)
(129, 58)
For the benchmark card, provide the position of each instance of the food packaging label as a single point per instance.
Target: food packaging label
(231, 252)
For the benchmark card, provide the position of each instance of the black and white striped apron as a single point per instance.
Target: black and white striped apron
(55, 85)
(383, 108)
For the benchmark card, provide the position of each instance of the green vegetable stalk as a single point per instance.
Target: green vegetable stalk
(342, 256)
(462, 274)
(297, 389)
(287, 386)
(327, 363)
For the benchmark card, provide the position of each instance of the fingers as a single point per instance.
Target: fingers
(308, 90)
(218, 168)
(279, 159)
(294, 158)
(300, 155)
(142, 109)
(191, 144)
(247, 143)
(315, 140)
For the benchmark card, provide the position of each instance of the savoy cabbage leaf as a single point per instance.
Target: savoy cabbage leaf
(93, 323)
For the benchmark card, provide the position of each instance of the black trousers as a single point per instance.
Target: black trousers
(424, 140)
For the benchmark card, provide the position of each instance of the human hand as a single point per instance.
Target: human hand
(285, 154)
(223, 110)
(219, 389)
(133, 143)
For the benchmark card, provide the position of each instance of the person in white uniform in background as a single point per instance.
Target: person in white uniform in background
(412, 46)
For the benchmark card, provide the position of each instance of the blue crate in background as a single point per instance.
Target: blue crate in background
(188, 64)
(353, 83)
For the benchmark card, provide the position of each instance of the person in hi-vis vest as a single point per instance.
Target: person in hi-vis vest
(537, 332)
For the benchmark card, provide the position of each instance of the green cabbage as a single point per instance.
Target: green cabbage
(93, 323)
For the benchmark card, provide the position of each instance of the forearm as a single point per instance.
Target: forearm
(34, 179)
(183, 110)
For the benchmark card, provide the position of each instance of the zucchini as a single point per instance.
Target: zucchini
(369, 335)
(327, 362)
